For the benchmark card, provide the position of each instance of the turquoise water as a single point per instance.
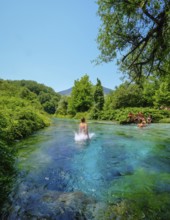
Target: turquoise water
(59, 178)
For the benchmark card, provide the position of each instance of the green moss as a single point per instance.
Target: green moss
(138, 197)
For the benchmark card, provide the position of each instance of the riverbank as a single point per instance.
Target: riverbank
(120, 116)
(14, 126)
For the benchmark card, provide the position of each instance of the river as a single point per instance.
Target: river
(59, 178)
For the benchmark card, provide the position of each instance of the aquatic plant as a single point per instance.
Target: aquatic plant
(139, 196)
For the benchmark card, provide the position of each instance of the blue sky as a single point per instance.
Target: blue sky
(52, 42)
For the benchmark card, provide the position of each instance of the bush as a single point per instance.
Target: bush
(165, 120)
(6, 170)
(80, 115)
(121, 115)
(20, 124)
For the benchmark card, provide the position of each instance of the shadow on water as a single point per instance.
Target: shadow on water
(60, 178)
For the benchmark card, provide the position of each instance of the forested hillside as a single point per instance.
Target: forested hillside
(24, 108)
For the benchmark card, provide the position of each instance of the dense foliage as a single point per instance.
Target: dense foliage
(47, 97)
(62, 106)
(153, 98)
(137, 32)
(22, 105)
(81, 96)
(127, 96)
(121, 115)
(98, 100)
(99, 95)
(6, 170)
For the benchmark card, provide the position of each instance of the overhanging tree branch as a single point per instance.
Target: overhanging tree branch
(138, 28)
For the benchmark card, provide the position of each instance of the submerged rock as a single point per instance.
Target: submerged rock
(54, 205)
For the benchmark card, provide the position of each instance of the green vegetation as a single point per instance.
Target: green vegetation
(121, 115)
(47, 97)
(152, 98)
(98, 101)
(165, 120)
(137, 33)
(24, 108)
(7, 171)
(142, 47)
(81, 96)
(142, 201)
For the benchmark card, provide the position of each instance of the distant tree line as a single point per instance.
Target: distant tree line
(87, 99)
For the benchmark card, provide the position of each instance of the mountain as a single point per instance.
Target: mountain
(68, 91)
(106, 90)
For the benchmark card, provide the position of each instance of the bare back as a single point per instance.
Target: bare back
(83, 128)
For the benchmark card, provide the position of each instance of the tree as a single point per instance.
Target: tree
(27, 94)
(81, 98)
(99, 95)
(125, 96)
(108, 104)
(139, 30)
(62, 105)
(98, 101)
(150, 86)
(49, 107)
(44, 97)
(162, 95)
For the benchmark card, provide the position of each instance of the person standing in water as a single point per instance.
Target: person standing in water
(83, 127)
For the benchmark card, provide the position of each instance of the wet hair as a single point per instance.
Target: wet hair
(83, 120)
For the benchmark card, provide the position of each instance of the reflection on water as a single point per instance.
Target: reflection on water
(59, 177)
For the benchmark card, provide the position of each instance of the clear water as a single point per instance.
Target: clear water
(53, 167)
